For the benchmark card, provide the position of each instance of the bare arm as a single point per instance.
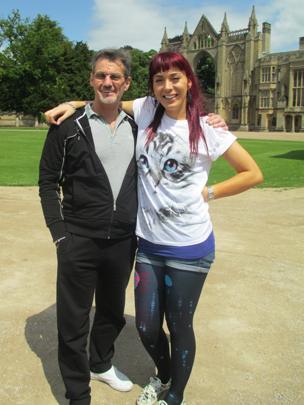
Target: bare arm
(127, 106)
(248, 173)
(62, 111)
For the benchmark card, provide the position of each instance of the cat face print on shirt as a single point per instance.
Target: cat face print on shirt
(165, 169)
(164, 161)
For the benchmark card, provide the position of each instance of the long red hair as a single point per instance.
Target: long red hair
(162, 62)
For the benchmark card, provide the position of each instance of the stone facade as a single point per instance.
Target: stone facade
(254, 89)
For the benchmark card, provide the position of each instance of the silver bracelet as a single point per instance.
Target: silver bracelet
(211, 195)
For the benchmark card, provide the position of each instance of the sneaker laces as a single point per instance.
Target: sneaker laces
(151, 390)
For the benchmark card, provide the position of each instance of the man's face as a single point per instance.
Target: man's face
(109, 81)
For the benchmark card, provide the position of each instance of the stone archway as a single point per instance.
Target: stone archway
(205, 69)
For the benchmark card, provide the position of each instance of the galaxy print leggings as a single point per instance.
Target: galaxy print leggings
(164, 291)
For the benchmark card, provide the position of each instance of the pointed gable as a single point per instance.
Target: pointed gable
(204, 35)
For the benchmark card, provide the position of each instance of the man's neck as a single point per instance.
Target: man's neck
(109, 112)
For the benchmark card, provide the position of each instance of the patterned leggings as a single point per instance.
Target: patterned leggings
(164, 291)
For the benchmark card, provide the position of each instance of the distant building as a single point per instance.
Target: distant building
(253, 89)
(11, 119)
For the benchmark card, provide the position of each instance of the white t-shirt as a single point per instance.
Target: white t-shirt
(171, 208)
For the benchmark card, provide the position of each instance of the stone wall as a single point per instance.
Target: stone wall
(11, 119)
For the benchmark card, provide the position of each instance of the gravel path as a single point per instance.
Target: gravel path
(249, 322)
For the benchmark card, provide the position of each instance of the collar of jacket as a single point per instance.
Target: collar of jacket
(82, 123)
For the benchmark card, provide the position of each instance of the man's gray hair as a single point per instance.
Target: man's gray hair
(113, 55)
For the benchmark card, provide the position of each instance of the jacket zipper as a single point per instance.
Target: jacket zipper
(111, 222)
(114, 200)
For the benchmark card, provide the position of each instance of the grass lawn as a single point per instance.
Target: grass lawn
(20, 151)
(281, 161)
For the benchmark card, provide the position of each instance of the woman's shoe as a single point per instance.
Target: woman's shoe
(152, 391)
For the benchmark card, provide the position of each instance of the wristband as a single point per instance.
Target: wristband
(211, 195)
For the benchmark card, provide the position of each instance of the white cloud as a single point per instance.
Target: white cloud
(286, 20)
(126, 22)
(140, 23)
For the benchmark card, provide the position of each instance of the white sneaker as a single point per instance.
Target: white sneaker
(151, 391)
(114, 378)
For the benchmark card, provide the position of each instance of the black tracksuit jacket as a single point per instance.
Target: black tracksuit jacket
(69, 163)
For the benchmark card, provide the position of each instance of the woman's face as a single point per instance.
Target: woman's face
(170, 89)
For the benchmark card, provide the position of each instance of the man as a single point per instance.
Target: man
(90, 156)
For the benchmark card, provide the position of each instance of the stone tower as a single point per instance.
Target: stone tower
(253, 89)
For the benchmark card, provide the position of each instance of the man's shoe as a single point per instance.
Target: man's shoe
(114, 378)
(152, 391)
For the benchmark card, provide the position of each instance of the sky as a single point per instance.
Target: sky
(140, 23)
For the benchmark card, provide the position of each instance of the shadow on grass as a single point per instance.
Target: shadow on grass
(41, 336)
(293, 154)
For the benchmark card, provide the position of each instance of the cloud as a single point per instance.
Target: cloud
(140, 23)
(126, 22)
(286, 20)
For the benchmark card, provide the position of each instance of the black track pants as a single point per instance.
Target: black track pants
(86, 266)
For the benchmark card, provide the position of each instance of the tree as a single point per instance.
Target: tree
(39, 66)
(12, 31)
(76, 71)
(139, 71)
(205, 71)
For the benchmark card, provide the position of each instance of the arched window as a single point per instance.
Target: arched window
(205, 71)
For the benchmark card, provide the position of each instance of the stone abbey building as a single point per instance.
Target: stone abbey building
(253, 89)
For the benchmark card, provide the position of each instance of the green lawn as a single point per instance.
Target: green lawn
(281, 161)
(20, 151)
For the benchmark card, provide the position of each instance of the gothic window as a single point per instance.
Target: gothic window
(236, 83)
(279, 74)
(266, 74)
(237, 54)
(269, 74)
(273, 74)
(264, 99)
(298, 88)
(235, 70)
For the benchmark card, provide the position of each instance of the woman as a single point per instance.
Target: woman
(175, 149)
